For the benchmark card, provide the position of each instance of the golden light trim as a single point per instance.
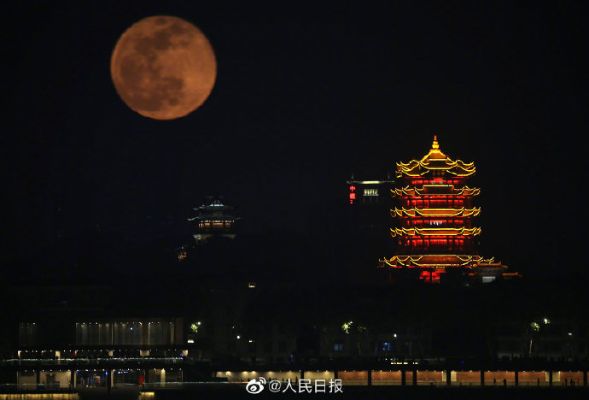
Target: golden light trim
(415, 191)
(395, 232)
(436, 145)
(436, 212)
(40, 396)
(435, 160)
(439, 261)
(435, 193)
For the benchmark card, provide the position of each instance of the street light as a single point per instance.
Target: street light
(535, 327)
(347, 327)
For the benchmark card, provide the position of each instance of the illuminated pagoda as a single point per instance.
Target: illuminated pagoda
(435, 234)
(214, 219)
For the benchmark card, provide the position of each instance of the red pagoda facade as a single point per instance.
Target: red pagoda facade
(436, 232)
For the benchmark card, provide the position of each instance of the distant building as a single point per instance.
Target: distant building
(366, 230)
(366, 192)
(436, 233)
(214, 219)
(369, 201)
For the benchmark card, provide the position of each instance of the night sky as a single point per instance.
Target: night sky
(306, 95)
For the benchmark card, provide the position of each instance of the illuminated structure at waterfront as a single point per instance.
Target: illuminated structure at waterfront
(436, 233)
(213, 220)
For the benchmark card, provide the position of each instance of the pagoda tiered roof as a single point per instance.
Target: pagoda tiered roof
(441, 231)
(213, 210)
(440, 261)
(434, 160)
(444, 190)
(435, 212)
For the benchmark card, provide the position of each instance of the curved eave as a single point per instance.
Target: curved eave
(418, 168)
(396, 232)
(212, 218)
(436, 212)
(414, 191)
(435, 261)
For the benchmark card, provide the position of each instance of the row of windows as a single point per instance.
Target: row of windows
(440, 245)
(372, 192)
(215, 224)
(436, 203)
(436, 181)
(384, 347)
(450, 223)
(120, 333)
(117, 333)
(429, 242)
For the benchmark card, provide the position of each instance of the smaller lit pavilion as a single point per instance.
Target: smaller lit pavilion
(214, 219)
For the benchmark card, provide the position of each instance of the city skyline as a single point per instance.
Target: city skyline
(204, 198)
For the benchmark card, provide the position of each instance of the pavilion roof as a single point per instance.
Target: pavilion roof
(435, 212)
(440, 261)
(438, 231)
(435, 160)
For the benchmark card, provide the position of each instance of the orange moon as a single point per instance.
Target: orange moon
(163, 67)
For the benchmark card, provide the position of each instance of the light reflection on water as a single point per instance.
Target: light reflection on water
(39, 396)
(61, 396)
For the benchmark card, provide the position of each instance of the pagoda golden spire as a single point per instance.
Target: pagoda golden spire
(435, 144)
(435, 153)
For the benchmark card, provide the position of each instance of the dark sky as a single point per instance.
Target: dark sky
(306, 95)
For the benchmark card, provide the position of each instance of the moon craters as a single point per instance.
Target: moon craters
(163, 67)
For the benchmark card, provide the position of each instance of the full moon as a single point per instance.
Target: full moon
(163, 67)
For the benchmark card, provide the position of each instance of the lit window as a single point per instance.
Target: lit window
(338, 347)
(371, 192)
(387, 346)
